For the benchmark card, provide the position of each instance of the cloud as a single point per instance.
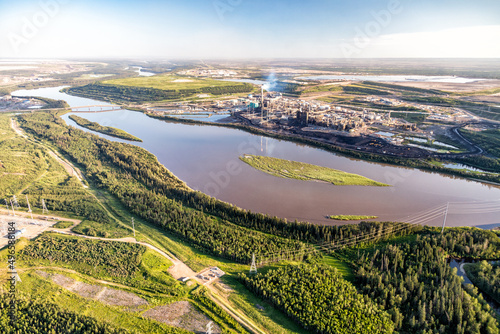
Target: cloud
(464, 42)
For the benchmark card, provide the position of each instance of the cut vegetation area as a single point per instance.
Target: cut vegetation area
(120, 262)
(63, 225)
(303, 171)
(103, 303)
(26, 168)
(489, 140)
(107, 130)
(111, 229)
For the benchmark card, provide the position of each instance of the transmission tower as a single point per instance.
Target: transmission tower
(29, 207)
(445, 215)
(18, 278)
(253, 266)
(13, 211)
(7, 205)
(14, 200)
(44, 207)
(210, 328)
(133, 225)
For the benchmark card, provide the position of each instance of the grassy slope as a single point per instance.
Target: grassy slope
(21, 162)
(27, 168)
(63, 224)
(271, 319)
(169, 82)
(36, 287)
(303, 171)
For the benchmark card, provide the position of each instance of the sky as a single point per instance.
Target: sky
(226, 29)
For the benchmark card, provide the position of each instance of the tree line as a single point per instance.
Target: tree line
(419, 289)
(131, 94)
(319, 299)
(42, 317)
(486, 277)
(131, 173)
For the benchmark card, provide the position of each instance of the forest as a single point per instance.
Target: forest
(419, 289)
(109, 258)
(107, 130)
(486, 277)
(42, 317)
(319, 299)
(130, 94)
(144, 186)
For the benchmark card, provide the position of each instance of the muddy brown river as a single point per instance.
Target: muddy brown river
(206, 158)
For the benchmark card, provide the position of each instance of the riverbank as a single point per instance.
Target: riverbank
(427, 164)
(107, 130)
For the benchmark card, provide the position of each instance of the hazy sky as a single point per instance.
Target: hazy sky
(249, 28)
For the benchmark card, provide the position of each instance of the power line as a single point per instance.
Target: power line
(327, 246)
(417, 219)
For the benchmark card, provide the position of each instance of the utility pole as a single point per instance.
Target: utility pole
(29, 207)
(133, 225)
(14, 200)
(253, 266)
(7, 205)
(13, 211)
(445, 215)
(44, 207)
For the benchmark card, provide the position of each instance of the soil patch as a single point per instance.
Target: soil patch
(184, 315)
(98, 292)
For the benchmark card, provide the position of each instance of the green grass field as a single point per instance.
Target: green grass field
(36, 287)
(410, 117)
(169, 82)
(302, 171)
(489, 140)
(63, 224)
(26, 168)
(108, 230)
(151, 271)
(351, 217)
(341, 266)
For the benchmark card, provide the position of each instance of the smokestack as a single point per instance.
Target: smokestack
(262, 104)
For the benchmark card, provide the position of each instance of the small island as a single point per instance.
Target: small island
(303, 171)
(107, 130)
(351, 217)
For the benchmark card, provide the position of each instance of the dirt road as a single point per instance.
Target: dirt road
(66, 164)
